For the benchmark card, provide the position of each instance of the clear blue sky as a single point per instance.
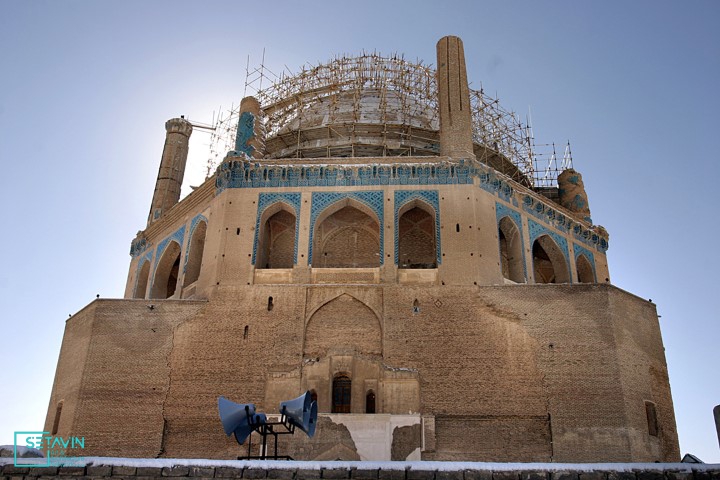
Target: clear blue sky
(86, 86)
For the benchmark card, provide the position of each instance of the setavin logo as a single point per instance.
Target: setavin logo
(56, 449)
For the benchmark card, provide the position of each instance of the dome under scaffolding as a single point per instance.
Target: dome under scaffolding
(376, 106)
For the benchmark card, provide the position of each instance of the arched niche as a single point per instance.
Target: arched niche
(585, 273)
(343, 325)
(166, 272)
(347, 235)
(511, 254)
(417, 247)
(142, 280)
(197, 247)
(549, 263)
(276, 238)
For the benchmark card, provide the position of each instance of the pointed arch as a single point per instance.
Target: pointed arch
(276, 237)
(347, 234)
(195, 253)
(549, 262)
(585, 271)
(325, 204)
(166, 272)
(512, 260)
(141, 282)
(343, 325)
(416, 235)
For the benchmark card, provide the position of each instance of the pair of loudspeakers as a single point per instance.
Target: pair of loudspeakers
(241, 419)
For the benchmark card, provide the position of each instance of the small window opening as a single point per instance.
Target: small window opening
(416, 306)
(370, 402)
(56, 421)
(457, 227)
(237, 232)
(652, 420)
(245, 332)
(270, 303)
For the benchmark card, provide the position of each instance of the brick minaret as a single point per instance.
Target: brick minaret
(453, 100)
(172, 167)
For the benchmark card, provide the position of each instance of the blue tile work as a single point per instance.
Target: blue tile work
(491, 183)
(245, 132)
(502, 211)
(265, 200)
(430, 197)
(138, 246)
(558, 220)
(178, 236)
(372, 199)
(193, 223)
(588, 254)
(246, 174)
(537, 230)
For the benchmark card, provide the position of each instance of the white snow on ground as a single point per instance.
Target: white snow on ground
(419, 465)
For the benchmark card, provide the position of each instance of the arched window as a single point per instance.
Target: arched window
(511, 256)
(277, 241)
(585, 272)
(549, 264)
(341, 394)
(166, 272)
(416, 238)
(142, 280)
(370, 402)
(197, 247)
(349, 238)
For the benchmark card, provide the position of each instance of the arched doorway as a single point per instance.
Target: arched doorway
(549, 264)
(197, 248)
(166, 272)
(142, 280)
(276, 243)
(511, 256)
(341, 394)
(584, 268)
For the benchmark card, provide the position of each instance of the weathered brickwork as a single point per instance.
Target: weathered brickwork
(471, 313)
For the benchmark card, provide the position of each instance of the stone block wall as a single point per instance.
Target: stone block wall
(112, 469)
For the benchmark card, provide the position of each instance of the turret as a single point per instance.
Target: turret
(453, 100)
(571, 191)
(250, 139)
(172, 167)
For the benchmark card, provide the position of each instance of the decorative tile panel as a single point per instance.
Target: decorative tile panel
(372, 199)
(247, 174)
(402, 197)
(266, 200)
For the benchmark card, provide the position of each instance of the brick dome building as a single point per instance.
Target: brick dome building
(378, 236)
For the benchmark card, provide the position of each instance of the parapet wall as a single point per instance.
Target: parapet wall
(146, 469)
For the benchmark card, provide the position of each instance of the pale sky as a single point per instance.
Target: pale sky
(86, 87)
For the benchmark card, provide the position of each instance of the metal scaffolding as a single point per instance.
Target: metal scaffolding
(347, 100)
